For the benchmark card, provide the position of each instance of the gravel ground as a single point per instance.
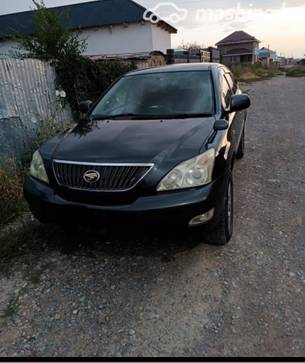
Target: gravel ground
(172, 295)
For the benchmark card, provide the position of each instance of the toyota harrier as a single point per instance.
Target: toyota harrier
(158, 146)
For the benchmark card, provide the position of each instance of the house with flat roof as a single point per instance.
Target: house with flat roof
(111, 28)
(238, 47)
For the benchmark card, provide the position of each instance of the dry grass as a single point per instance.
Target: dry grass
(12, 174)
(255, 72)
(297, 71)
(11, 191)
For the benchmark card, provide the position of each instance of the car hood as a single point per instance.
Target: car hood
(131, 141)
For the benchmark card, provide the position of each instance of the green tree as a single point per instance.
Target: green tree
(51, 40)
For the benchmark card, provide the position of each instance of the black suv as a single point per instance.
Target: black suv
(158, 146)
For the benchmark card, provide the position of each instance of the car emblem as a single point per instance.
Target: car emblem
(91, 176)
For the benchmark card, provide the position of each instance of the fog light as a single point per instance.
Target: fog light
(202, 218)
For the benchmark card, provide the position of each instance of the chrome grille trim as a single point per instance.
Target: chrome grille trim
(120, 172)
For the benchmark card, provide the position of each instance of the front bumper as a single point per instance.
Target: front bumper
(176, 208)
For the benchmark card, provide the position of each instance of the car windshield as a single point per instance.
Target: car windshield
(166, 94)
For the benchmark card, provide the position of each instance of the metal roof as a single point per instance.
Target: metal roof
(80, 16)
(238, 37)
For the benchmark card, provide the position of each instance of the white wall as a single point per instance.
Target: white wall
(132, 38)
(161, 39)
(118, 39)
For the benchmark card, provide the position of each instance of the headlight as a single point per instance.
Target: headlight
(191, 173)
(37, 169)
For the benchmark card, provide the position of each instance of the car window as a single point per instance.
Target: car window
(166, 93)
(232, 82)
(226, 92)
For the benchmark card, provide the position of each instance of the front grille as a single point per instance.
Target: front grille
(112, 178)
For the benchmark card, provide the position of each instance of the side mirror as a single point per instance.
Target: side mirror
(239, 102)
(221, 125)
(84, 106)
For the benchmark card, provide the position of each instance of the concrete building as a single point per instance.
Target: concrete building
(238, 47)
(110, 27)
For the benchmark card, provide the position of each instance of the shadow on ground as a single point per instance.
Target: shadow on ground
(33, 238)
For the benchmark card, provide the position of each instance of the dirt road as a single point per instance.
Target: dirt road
(172, 296)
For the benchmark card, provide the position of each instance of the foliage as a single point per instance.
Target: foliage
(12, 174)
(11, 196)
(191, 46)
(51, 40)
(253, 72)
(297, 71)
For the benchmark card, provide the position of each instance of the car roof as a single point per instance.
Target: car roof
(178, 68)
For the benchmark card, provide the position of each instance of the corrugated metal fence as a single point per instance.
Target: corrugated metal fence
(27, 101)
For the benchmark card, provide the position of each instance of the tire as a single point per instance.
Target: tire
(223, 231)
(241, 148)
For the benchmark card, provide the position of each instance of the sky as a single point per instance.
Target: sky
(278, 24)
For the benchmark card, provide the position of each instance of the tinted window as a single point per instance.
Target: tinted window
(163, 94)
(232, 82)
(226, 91)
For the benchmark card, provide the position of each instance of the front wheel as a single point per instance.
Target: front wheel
(223, 231)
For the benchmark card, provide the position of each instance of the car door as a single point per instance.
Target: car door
(226, 94)
(240, 115)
